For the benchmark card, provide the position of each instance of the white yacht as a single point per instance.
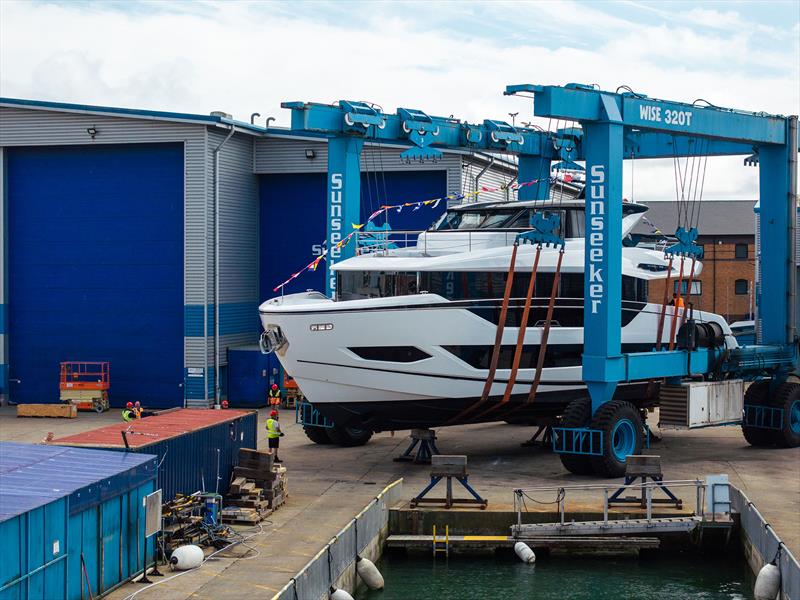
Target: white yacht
(407, 342)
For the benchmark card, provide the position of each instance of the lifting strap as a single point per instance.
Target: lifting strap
(689, 291)
(523, 327)
(498, 339)
(543, 342)
(676, 308)
(546, 332)
(664, 303)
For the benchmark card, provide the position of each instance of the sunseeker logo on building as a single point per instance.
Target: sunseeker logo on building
(597, 209)
(334, 225)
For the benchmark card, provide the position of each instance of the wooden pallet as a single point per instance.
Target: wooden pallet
(67, 411)
(258, 488)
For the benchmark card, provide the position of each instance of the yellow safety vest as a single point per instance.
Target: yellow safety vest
(272, 428)
(126, 415)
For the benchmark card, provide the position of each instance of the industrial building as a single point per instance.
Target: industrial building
(729, 237)
(148, 239)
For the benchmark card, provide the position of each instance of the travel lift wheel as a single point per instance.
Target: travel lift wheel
(757, 395)
(623, 436)
(577, 414)
(318, 435)
(787, 398)
(348, 436)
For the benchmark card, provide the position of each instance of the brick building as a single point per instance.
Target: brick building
(726, 285)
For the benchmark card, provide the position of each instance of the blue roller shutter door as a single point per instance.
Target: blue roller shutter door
(96, 268)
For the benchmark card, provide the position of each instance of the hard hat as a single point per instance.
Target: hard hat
(274, 386)
(274, 413)
(137, 404)
(129, 405)
(224, 404)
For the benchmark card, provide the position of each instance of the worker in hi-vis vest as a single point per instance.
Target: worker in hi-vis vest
(274, 433)
(274, 396)
(127, 413)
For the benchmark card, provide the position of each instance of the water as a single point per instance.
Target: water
(503, 576)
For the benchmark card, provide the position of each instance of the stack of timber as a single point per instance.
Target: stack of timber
(258, 487)
(183, 522)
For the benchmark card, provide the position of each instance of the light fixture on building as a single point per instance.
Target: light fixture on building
(92, 131)
(310, 154)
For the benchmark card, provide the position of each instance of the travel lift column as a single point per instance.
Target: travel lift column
(603, 363)
(344, 201)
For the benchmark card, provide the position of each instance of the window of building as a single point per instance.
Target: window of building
(741, 251)
(697, 287)
(740, 287)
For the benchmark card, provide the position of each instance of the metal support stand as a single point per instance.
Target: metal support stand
(544, 431)
(426, 439)
(644, 467)
(449, 467)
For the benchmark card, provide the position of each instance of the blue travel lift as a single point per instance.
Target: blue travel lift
(596, 436)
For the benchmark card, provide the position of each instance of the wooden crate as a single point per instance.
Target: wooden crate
(66, 411)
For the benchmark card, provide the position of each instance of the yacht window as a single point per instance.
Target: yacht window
(497, 220)
(523, 220)
(462, 219)
(576, 223)
(402, 354)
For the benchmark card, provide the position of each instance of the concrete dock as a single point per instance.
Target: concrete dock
(328, 485)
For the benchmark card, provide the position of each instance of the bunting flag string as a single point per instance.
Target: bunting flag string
(432, 203)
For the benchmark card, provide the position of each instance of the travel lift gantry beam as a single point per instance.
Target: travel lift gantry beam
(348, 125)
(614, 126)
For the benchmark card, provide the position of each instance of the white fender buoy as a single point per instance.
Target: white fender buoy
(339, 594)
(367, 570)
(768, 583)
(186, 557)
(525, 553)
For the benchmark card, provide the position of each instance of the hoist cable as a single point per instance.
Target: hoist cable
(498, 340)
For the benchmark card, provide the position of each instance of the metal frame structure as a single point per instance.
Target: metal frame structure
(613, 127)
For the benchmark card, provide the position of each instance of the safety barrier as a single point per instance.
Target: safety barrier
(762, 545)
(363, 535)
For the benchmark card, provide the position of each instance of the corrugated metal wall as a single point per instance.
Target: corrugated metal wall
(288, 155)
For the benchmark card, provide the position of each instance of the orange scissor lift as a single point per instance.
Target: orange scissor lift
(85, 384)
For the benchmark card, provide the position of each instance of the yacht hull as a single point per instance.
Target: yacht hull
(418, 361)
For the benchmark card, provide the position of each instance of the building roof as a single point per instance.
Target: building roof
(130, 112)
(717, 217)
(33, 475)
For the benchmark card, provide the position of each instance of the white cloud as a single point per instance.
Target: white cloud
(243, 58)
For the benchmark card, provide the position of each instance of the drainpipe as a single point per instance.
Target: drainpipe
(217, 389)
(482, 171)
(791, 317)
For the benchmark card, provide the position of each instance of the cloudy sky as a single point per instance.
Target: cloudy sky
(442, 57)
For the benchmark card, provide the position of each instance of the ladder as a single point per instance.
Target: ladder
(441, 545)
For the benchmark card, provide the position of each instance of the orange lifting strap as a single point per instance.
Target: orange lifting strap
(689, 291)
(537, 378)
(664, 303)
(498, 339)
(523, 326)
(676, 308)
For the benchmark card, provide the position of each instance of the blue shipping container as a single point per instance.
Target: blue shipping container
(71, 520)
(196, 448)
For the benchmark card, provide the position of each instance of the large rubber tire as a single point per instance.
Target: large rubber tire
(348, 436)
(318, 435)
(577, 414)
(758, 395)
(787, 398)
(623, 436)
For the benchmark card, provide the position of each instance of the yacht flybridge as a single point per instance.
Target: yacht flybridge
(408, 341)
